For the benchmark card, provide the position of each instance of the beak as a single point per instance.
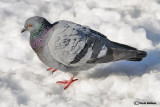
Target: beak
(23, 30)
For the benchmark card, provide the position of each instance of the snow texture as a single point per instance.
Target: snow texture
(24, 81)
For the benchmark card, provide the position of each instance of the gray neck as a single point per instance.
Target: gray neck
(37, 37)
(36, 33)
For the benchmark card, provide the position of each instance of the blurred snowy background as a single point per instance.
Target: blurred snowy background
(24, 81)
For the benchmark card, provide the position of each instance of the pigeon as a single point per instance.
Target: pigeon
(71, 47)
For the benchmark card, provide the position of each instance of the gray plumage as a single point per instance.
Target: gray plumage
(70, 47)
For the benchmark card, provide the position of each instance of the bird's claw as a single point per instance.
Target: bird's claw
(67, 82)
(53, 70)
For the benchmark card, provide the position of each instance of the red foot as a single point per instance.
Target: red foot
(54, 70)
(67, 82)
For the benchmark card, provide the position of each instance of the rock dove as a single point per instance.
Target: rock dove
(71, 47)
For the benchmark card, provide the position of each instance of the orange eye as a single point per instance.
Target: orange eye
(30, 25)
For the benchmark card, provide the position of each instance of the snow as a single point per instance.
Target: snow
(24, 81)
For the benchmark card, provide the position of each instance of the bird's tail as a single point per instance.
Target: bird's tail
(140, 55)
(124, 52)
(118, 51)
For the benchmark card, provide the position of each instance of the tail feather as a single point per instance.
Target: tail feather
(141, 54)
(135, 59)
(139, 57)
(131, 53)
(122, 46)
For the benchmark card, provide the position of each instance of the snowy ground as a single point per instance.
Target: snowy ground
(23, 78)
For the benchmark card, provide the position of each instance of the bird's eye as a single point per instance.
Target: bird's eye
(30, 25)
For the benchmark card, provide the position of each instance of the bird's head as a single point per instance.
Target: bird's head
(34, 24)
